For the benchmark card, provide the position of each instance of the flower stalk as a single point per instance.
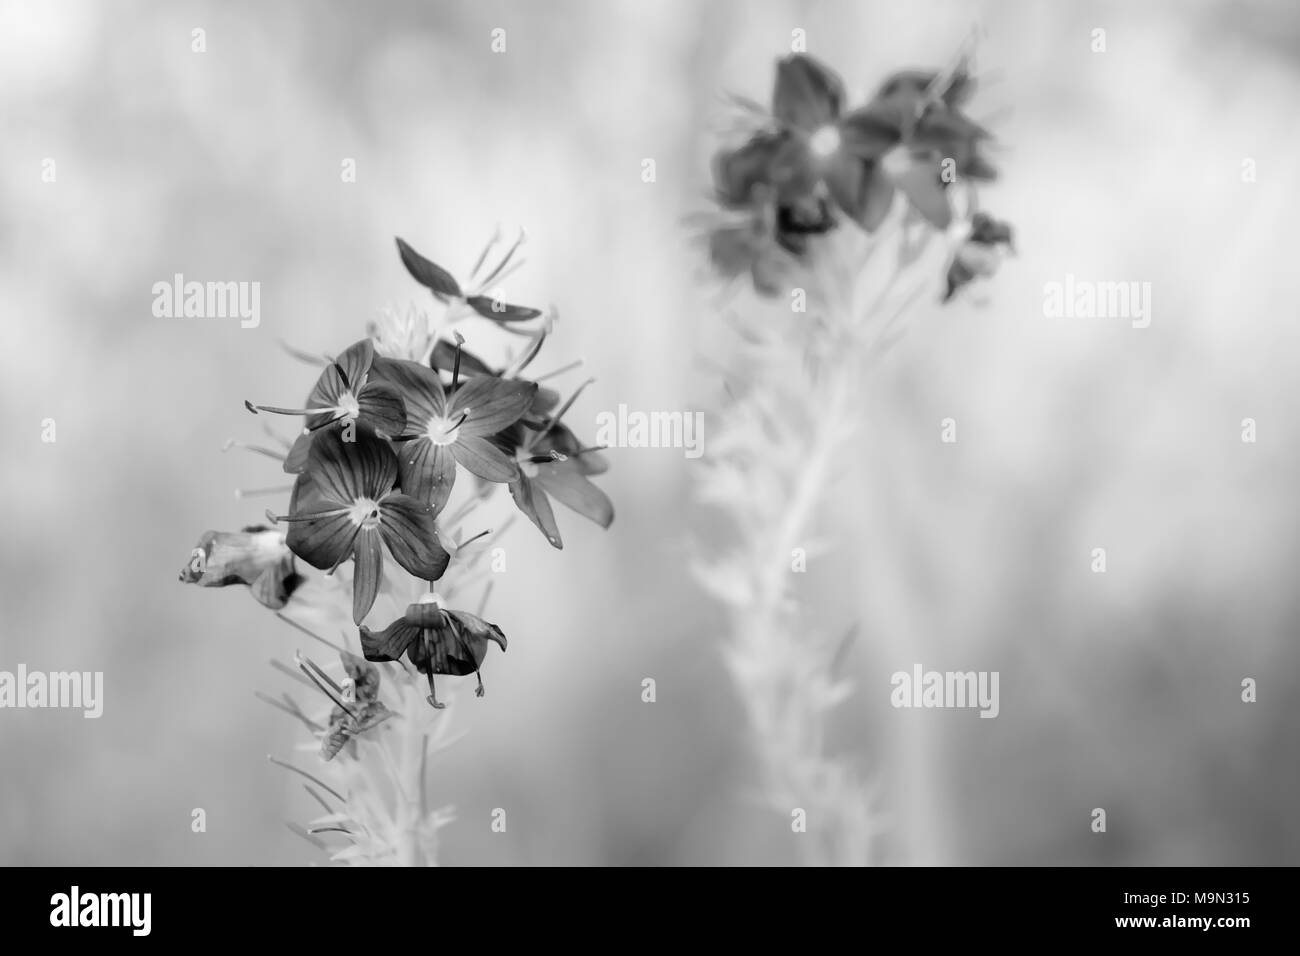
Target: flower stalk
(389, 425)
(809, 208)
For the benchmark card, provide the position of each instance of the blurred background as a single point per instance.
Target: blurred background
(1119, 691)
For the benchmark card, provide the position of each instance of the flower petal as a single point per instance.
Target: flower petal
(368, 571)
(478, 627)
(428, 274)
(355, 361)
(870, 132)
(562, 439)
(493, 403)
(919, 179)
(461, 643)
(546, 400)
(390, 643)
(845, 177)
(444, 357)
(732, 249)
(296, 460)
(410, 530)
(794, 172)
(324, 542)
(944, 130)
(571, 488)
(347, 470)
(499, 311)
(382, 409)
(483, 458)
(427, 472)
(532, 501)
(807, 94)
(736, 172)
(419, 387)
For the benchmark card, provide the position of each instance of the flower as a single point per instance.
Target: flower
(915, 125)
(443, 430)
(436, 641)
(980, 253)
(552, 462)
(345, 393)
(816, 148)
(256, 556)
(345, 505)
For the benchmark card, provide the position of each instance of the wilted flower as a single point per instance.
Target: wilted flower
(357, 707)
(256, 556)
(346, 504)
(436, 641)
(445, 429)
(980, 253)
(346, 392)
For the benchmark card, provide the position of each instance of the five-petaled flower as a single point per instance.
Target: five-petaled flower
(348, 392)
(345, 505)
(449, 426)
(436, 641)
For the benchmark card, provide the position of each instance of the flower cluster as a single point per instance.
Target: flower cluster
(814, 162)
(807, 199)
(388, 434)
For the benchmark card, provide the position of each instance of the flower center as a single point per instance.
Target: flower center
(824, 142)
(442, 431)
(528, 468)
(349, 405)
(364, 513)
(896, 162)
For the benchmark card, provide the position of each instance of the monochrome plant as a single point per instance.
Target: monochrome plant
(832, 207)
(397, 424)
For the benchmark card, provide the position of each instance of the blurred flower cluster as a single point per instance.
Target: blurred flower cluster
(393, 425)
(813, 162)
(808, 194)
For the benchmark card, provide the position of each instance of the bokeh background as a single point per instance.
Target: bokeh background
(1119, 690)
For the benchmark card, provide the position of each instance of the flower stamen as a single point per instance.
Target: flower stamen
(315, 516)
(287, 411)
